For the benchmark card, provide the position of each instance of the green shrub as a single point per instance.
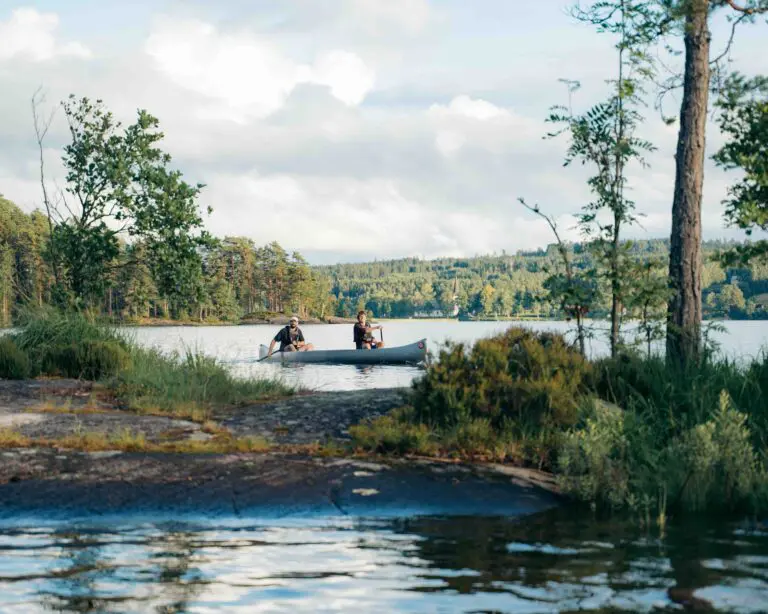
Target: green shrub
(617, 459)
(521, 377)
(714, 464)
(14, 363)
(393, 434)
(674, 399)
(91, 360)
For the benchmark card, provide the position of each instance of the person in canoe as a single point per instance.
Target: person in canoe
(291, 338)
(363, 336)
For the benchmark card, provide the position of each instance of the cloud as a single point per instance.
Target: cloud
(482, 124)
(31, 35)
(410, 15)
(245, 77)
(332, 216)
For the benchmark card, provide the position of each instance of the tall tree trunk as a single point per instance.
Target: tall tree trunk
(684, 311)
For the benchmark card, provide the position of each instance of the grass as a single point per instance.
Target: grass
(187, 385)
(183, 385)
(127, 440)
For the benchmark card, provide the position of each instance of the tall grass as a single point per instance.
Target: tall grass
(187, 385)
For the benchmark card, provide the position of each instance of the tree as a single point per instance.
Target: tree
(743, 118)
(486, 299)
(605, 139)
(576, 293)
(648, 300)
(685, 307)
(121, 187)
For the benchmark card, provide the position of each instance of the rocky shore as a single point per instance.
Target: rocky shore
(51, 481)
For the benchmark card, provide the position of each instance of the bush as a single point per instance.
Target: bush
(393, 434)
(523, 378)
(616, 459)
(91, 360)
(14, 363)
(673, 399)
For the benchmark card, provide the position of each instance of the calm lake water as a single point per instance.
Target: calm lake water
(238, 346)
(547, 563)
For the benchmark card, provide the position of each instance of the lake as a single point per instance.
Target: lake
(238, 346)
(552, 562)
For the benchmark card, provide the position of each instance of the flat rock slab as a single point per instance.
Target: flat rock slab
(50, 485)
(311, 417)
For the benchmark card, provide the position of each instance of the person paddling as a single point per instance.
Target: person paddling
(363, 336)
(291, 338)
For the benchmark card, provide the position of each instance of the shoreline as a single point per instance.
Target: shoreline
(304, 470)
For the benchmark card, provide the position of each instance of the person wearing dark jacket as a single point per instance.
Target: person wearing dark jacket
(363, 336)
(291, 338)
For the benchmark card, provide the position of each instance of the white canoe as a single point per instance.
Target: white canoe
(411, 353)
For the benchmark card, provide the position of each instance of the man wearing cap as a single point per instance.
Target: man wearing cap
(291, 338)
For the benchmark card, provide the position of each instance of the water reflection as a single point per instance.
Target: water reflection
(553, 562)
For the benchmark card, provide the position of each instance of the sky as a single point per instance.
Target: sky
(349, 130)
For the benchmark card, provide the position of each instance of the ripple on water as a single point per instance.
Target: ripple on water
(547, 563)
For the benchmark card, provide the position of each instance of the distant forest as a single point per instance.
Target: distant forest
(514, 285)
(241, 280)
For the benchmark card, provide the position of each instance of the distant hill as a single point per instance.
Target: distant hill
(511, 285)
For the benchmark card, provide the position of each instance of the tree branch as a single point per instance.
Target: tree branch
(728, 46)
(747, 10)
(41, 130)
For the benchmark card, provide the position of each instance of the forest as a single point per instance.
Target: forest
(516, 285)
(236, 279)
(239, 279)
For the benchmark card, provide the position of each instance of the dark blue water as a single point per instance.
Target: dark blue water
(553, 562)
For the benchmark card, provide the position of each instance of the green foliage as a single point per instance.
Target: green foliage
(14, 363)
(44, 333)
(615, 459)
(604, 139)
(71, 345)
(90, 360)
(183, 383)
(123, 177)
(520, 378)
(743, 118)
(393, 434)
(593, 461)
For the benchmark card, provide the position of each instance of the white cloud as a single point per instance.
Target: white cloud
(467, 121)
(31, 35)
(347, 76)
(332, 216)
(411, 15)
(464, 106)
(247, 77)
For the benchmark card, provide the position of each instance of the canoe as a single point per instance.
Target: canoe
(412, 353)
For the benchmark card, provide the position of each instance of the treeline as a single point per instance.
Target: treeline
(236, 279)
(239, 279)
(516, 285)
